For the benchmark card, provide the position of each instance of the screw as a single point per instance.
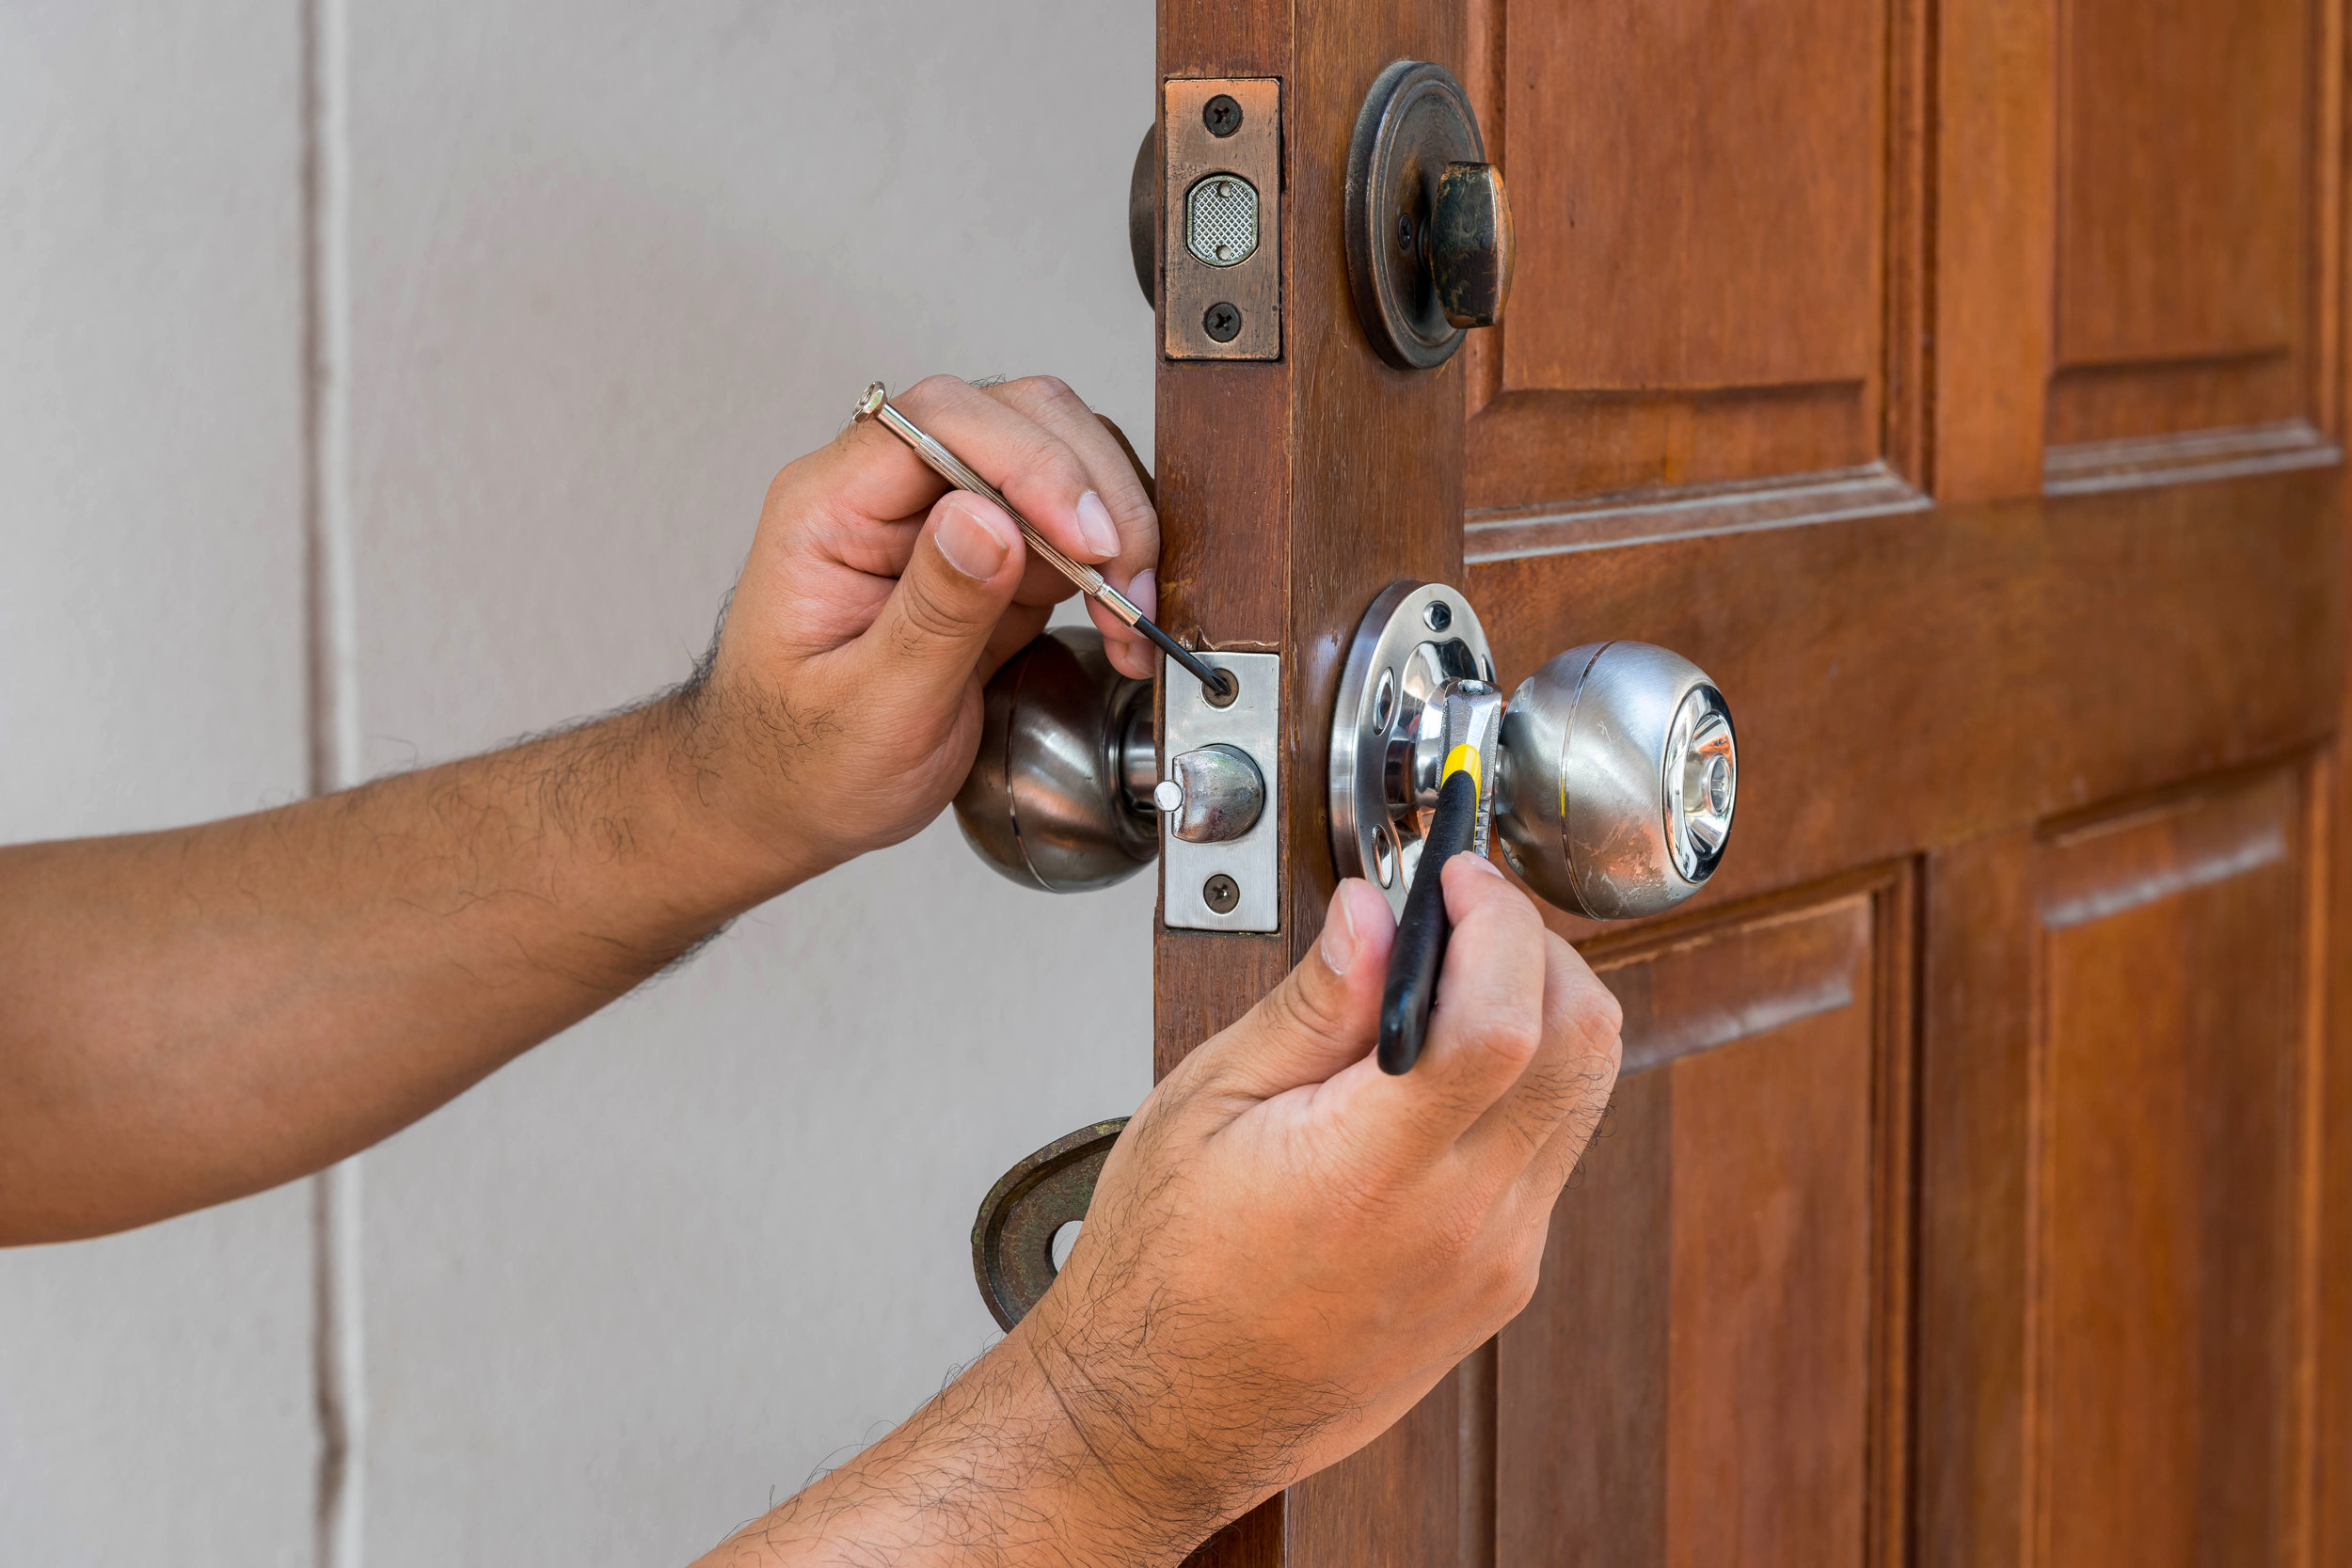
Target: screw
(1222, 322)
(1227, 686)
(1221, 115)
(1438, 615)
(1405, 233)
(1221, 894)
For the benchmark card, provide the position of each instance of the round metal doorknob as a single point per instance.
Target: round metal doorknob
(1059, 794)
(1616, 779)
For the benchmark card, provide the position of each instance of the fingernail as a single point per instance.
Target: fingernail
(1094, 522)
(969, 544)
(1489, 867)
(1338, 934)
(1144, 593)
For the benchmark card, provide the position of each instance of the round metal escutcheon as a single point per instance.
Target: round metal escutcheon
(1416, 637)
(1415, 120)
(1012, 1239)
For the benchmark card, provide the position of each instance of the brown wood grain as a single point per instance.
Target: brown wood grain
(2099, 402)
(1952, 721)
(1995, 174)
(2117, 1333)
(2184, 149)
(1976, 1023)
(1719, 168)
(2171, 1333)
(1223, 465)
(1710, 1295)
(1706, 251)
(1912, 681)
(1289, 501)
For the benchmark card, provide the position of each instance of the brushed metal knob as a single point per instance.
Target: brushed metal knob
(1618, 775)
(1059, 794)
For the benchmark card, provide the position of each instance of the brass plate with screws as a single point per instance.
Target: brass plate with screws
(1221, 129)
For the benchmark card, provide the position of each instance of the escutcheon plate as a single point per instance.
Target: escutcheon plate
(1414, 637)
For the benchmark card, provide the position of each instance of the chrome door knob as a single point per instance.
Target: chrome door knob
(1059, 796)
(1618, 774)
(1615, 771)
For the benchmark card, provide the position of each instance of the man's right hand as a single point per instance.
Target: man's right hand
(1288, 1246)
(1286, 1250)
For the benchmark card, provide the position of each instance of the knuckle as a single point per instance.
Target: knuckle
(1600, 1011)
(1295, 1006)
(1049, 391)
(923, 617)
(934, 389)
(1510, 1040)
(1526, 1278)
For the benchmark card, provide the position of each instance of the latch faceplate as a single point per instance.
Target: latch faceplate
(1226, 884)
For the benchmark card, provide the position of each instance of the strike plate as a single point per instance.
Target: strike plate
(1221, 129)
(1253, 723)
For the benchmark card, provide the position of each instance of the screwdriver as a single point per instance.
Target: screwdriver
(876, 405)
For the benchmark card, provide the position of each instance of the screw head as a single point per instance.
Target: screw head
(1221, 321)
(1438, 616)
(1221, 115)
(1221, 894)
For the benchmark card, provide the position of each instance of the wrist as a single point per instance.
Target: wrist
(994, 1470)
(733, 801)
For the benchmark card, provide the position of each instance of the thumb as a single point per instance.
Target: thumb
(932, 631)
(1326, 1012)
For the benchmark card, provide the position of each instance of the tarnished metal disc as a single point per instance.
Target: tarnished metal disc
(1012, 1239)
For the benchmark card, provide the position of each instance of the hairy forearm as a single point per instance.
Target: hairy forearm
(995, 1472)
(202, 1013)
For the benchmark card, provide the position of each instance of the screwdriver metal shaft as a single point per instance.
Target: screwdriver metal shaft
(876, 405)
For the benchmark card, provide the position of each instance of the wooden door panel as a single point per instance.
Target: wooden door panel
(1907, 682)
(1701, 288)
(1698, 1380)
(2185, 175)
(1959, 385)
(2119, 1322)
(2174, 1039)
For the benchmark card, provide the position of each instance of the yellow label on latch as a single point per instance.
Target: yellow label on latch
(1463, 759)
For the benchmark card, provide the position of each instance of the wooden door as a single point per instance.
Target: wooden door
(1961, 386)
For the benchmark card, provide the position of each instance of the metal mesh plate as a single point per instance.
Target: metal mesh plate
(1221, 219)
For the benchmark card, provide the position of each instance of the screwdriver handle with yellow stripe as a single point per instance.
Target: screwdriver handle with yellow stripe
(1421, 935)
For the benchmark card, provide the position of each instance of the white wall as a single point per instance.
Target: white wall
(610, 266)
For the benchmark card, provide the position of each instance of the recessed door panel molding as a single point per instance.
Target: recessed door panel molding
(1723, 1284)
(2121, 1070)
(1708, 248)
(2059, 689)
(1905, 683)
(2196, 245)
(2171, 1179)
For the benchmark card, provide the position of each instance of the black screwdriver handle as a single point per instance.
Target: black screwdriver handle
(1421, 936)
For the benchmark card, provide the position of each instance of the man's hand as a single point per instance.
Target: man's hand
(1286, 1250)
(198, 1014)
(844, 707)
